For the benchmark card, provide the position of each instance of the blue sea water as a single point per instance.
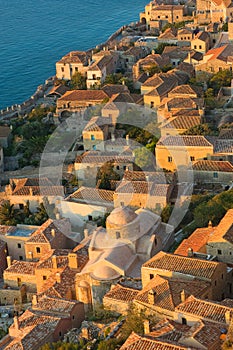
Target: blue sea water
(35, 34)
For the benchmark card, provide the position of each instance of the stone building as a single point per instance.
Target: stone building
(120, 249)
(213, 172)
(174, 152)
(210, 11)
(47, 321)
(71, 63)
(188, 268)
(155, 15)
(53, 234)
(201, 42)
(216, 59)
(33, 190)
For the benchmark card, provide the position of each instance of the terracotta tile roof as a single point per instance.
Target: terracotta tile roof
(112, 89)
(224, 230)
(58, 90)
(49, 304)
(36, 187)
(22, 267)
(223, 146)
(182, 122)
(136, 342)
(182, 90)
(182, 103)
(88, 194)
(121, 293)
(168, 34)
(184, 141)
(226, 134)
(202, 36)
(168, 7)
(168, 330)
(61, 255)
(197, 241)
(97, 124)
(187, 113)
(143, 187)
(100, 157)
(74, 57)
(208, 310)
(168, 291)
(84, 95)
(157, 177)
(100, 63)
(34, 327)
(125, 97)
(44, 233)
(184, 265)
(213, 165)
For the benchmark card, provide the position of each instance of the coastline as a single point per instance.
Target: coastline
(16, 110)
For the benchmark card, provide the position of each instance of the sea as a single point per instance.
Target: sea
(35, 34)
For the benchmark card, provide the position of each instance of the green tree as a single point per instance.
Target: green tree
(166, 213)
(134, 322)
(110, 344)
(78, 81)
(105, 174)
(201, 129)
(8, 214)
(144, 159)
(152, 69)
(220, 79)
(208, 211)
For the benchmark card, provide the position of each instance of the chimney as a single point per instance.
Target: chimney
(127, 139)
(228, 317)
(16, 322)
(153, 52)
(58, 277)
(8, 259)
(54, 262)
(182, 296)
(30, 255)
(53, 232)
(152, 297)
(86, 233)
(73, 260)
(34, 300)
(146, 326)
(210, 224)
(113, 137)
(30, 191)
(190, 252)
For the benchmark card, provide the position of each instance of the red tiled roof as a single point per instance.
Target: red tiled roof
(121, 293)
(213, 165)
(176, 263)
(184, 141)
(84, 95)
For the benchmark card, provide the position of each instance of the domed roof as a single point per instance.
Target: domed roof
(104, 272)
(121, 216)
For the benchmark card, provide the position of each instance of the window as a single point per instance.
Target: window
(19, 245)
(117, 167)
(158, 16)
(19, 281)
(230, 288)
(20, 257)
(192, 158)
(177, 17)
(124, 167)
(62, 69)
(222, 276)
(73, 317)
(195, 46)
(122, 204)
(151, 276)
(229, 253)
(94, 76)
(92, 137)
(166, 16)
(21, 206)
(219, 252)
(215, 283)
(118, 234)
(94, 147)
(60, 334)
(169, 159)
(215, 175)
(184, 321)
(89, 217)
(38, 250)
(200, 47)
(76, 69)
(152, 104)
(219, 69)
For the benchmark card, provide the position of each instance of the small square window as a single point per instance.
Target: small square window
(215, 175)
(118, 235)
(92, 137)
(20, 257)
(192, 159)
(38, 249)
(62, 69)
(44, 278)
(19, 245)
(219, 252)
(151, 276)
(169, 159)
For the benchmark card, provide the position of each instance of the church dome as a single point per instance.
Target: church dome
(120, 216)
(104, 272)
